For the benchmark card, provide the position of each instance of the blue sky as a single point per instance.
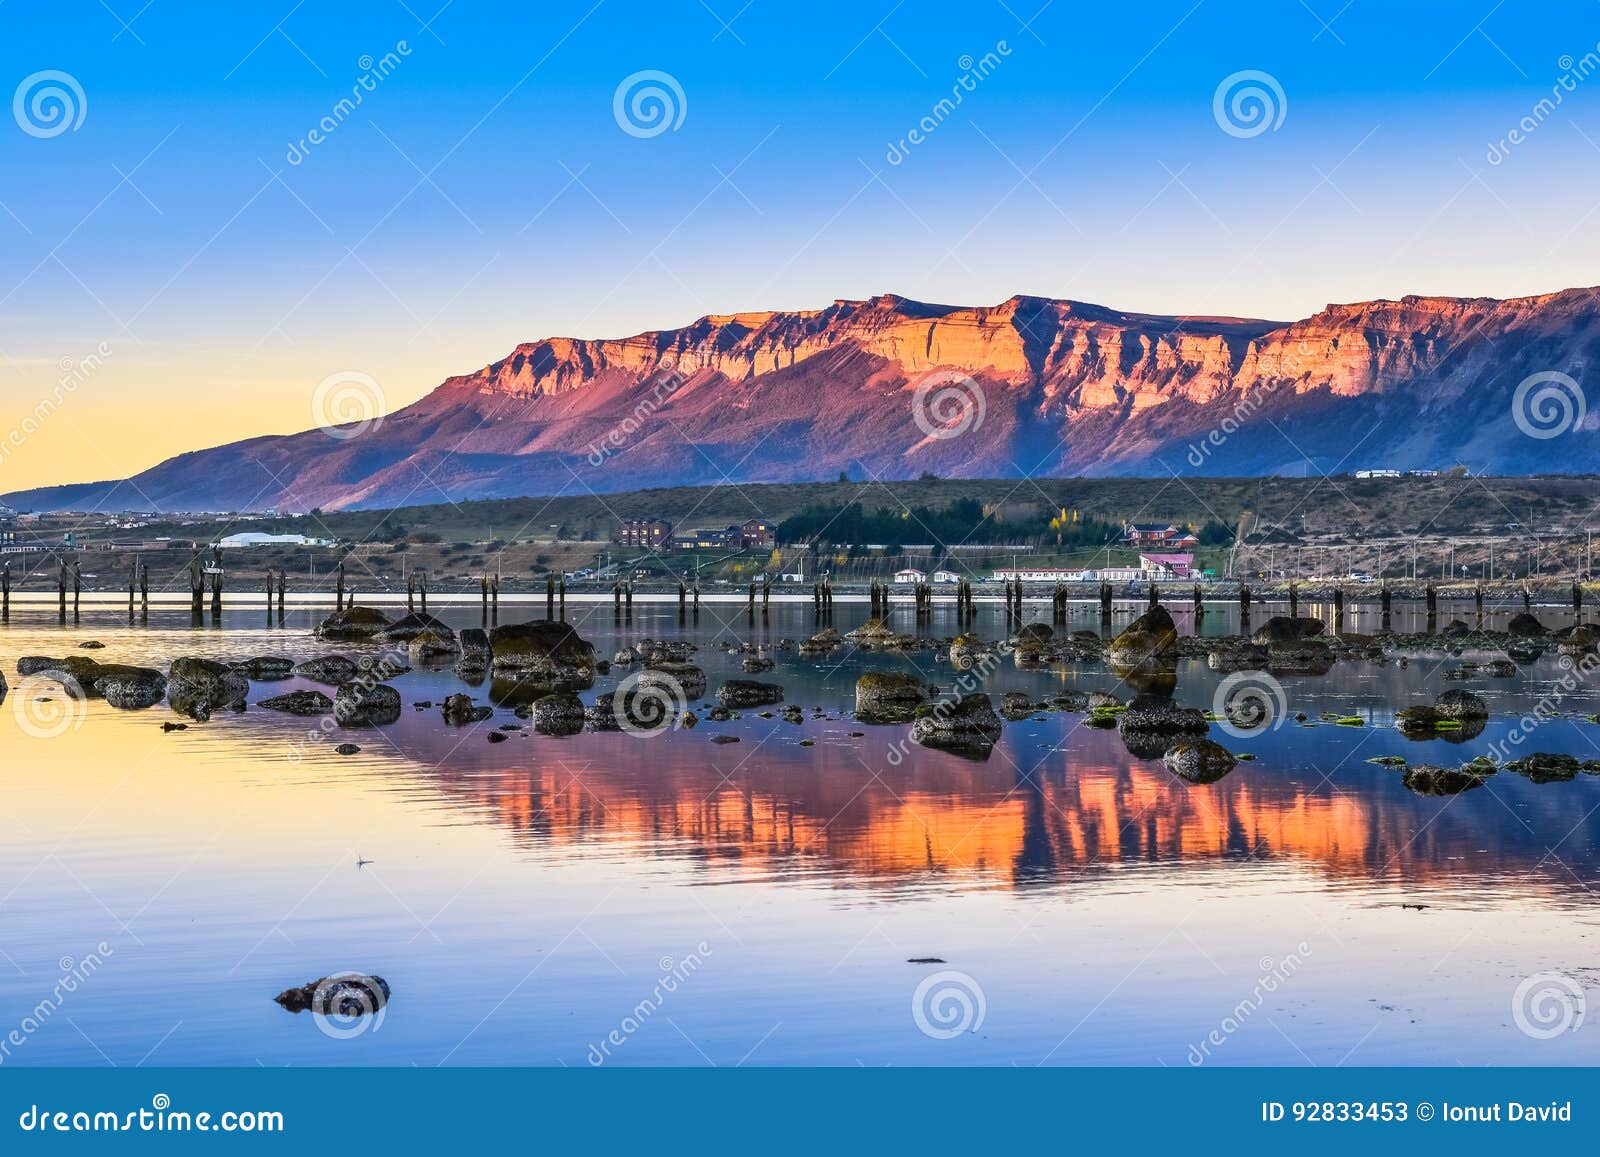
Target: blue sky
(484, 193)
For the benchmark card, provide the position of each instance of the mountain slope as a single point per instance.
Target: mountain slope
(890, 388)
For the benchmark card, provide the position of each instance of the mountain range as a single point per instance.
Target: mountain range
(891, 388)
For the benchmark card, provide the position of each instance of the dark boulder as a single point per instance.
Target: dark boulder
(354, 624)
(748, 693)
(304, 703)
(362, 704)
(1198, 761)
(1525, 625)
(331, 670)
(348, 994)
(542, 647)
(1151, 637)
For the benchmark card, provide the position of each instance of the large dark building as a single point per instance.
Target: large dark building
(650, 533)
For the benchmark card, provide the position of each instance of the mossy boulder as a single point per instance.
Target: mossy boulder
(542, 647)
(1150, 638)
(303, 703)
(1198, 761)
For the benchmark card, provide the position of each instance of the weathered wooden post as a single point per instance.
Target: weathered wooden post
(550, 595)
(77, 590)
(197, 589)
(1386, 602)
(269, 596)
(5, 593)
(1477, 603)
(683, 601)
(1527, 598)
(338, 592)
(133, 581)
(616, 597)
(494, 599)
(216, 583)
(144, 592)
(1577, 601)
(411, 593)
(766, 591)
(422, 591)
(752, 594)
(1199, 602)
(1338, 609)
(483, 583)
(1294, 601)
(283, 580)
(61, 593)
(561, 594)
(1151, 600)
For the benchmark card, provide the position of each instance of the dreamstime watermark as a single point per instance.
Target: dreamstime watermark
(381, 670)
(673, 974)
(74, 973)
(1573, 73)
(973, 73)
(1548, 404)
(971, 680)
(348, 404)
(667, 381)
(160, 1117)
(648, 103)
(947, 1004)
(73, 372)
(1575, 674)
(1548, 1004)
(51, 716)
(1247, 701)
(1248, 103)
(349, 1004)
(646, 702)
(1274, 975)
(947, 404)
(49, 103)
(1243, 410)
(373, 73)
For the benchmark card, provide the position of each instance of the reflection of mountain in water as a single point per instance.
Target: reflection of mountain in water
(844, 814)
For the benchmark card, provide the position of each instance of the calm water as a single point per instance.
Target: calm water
(524, 898)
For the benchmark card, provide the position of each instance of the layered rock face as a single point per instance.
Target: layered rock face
(1034, 386)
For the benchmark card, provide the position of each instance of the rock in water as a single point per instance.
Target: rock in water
(967, 726)
(329, 669)
(1199, 761)
(358, 704)
(458, 711)
(1287, 629)
(405, 629)
(542, 647)
(354, 624)
(1458, 704)
(1150, 638)
(265, 668)
(345, 994)
(748, 693)
(1427, 779)
(889, 696)
(1524, 624)
(303, 703)
(560, 713)
(197, 687)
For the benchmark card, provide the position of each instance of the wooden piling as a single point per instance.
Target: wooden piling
(422, 591)
(550, 595)
(61, 593)
(5, 593)
(216, 583)
(1294, 601)
(338, 593)
(77, 590)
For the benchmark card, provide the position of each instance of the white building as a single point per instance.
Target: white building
(946, 576)
(1044, 574)
(256, 538)
(910, 575)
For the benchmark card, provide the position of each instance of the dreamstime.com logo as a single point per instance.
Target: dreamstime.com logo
(1548, 404)
(1247, 701)
(1548, 1004)
(649, 103)
(1249, 103)
(51, 716)
(947, 404)
(49, 103)
(947, 1004)
(347, 404)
